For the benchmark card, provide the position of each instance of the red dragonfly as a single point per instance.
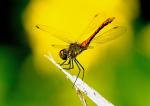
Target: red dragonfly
(70, 53)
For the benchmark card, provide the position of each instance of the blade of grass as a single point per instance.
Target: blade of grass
(96, 97)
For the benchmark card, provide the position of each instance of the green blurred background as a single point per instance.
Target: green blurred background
(125, 82)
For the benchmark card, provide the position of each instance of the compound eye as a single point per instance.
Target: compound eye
(63, 54)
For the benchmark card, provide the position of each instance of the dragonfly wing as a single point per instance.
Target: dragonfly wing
(59, 46)
(96, 21)
(90, 47)
(66, 46)
(109, 35)
(53, 32)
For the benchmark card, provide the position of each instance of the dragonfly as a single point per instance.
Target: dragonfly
(69, 54)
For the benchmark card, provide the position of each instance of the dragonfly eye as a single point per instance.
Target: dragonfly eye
(63, 54)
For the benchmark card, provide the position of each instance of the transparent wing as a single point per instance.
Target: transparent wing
(90, 47)
(57, 34)
(96, 21)
(109, 35)
(59, 46)
(66, 46)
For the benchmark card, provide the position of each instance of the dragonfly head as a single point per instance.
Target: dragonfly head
(63, 54)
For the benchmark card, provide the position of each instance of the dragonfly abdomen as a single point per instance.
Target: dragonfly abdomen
(105, 23)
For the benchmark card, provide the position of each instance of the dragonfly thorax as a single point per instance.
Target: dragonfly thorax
(71, 52)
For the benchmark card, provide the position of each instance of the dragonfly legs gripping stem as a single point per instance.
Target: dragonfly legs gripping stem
(79, 67)
(70, 65)
(62, 63)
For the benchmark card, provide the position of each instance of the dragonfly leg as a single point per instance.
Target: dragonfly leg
(78, 72)
(63, 63)
(81, 67)
(70, 64)
(67, 63)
